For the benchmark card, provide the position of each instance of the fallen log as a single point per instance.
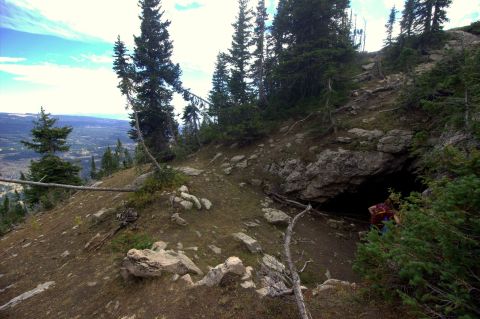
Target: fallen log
(74, 187)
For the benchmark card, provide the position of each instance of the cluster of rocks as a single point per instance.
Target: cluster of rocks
(338, 171)
(187, 201)
(238, 161)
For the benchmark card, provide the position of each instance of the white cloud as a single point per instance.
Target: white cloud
(62, 90)
(6, 59)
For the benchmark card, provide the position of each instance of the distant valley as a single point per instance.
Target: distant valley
(90, 136)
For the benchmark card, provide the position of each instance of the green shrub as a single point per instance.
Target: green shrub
(130, 240)
(157, 182)
(431, 261)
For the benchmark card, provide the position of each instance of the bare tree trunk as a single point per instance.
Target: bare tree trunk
(140, 135)
(78, 188)
(302, 308)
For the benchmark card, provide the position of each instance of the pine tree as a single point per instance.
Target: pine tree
(258, 67)
(93, 168)
(127, 159)
(156, 77)
(408, 17)
(6, 205)
(109, 165)
(118, 154)
(240, 55)
(191, 120)
(219, 94)
(389, 26)
(440, 14)
(423, 16)
(47, 139)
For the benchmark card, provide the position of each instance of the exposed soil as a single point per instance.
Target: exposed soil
(88, 284)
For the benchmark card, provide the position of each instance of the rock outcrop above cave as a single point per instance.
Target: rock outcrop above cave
(338, 171)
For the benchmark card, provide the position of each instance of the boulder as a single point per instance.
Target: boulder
(189, 171)
(148, 263)
(233, 265)
(334, 172)
(237, 158)
(275, 216)
(395, 141)
(252, 244)
(206, 203)
(191, 198)
(186, 204)
(368, 67)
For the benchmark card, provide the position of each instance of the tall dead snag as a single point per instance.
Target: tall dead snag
(302, 308)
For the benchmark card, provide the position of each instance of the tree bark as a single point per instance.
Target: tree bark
(74, 187)
(302, 308)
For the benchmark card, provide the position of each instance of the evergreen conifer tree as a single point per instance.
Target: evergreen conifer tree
(156, 77)
(258, 67)
(408, 17)
(6, 205)
(219, 94)
(48, 140)
(118, 154)
(109, 164)
(93, 168)
(440, 14)
(127, 159)
(240, 55)
(389, 26)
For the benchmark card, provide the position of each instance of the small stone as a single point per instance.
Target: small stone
(275, 216)
(159, 245)
(242, 164)
(175, 277)
(252, 244)
(91, 284)
(256, 182)
(189, 171)
(187, 280)
(248, 284)
(198, 233)
(179, 246)
(237, 158)
(192, 199)
(272, 263)
(183, 189)
(215, 249)
(253, 157)
(206, 203)
(66, 253)
(227, 171)
(179, 220)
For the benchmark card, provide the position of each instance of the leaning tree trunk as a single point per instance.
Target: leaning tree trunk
(140, 135)
(74, 187)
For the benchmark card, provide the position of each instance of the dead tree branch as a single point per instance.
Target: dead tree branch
(78, 188)
(305, 265)
(300, 121)
(304, 314)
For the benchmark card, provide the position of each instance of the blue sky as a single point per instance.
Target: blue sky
(57, 53)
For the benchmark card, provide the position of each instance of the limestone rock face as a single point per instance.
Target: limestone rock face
(275, 216)
(150, 263)
(251, 243)
(395, 141)
(338, 171)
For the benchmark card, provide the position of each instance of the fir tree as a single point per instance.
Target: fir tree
(118, 154)
(93, 168)
(219, 94)
(240, 54)
(408, 17)
(191, 120)
(258, 67)
(156, 77)
(6, 205)
(389, 26)
(440, 14)
(127, 159)
(47, 139)
(109, 165)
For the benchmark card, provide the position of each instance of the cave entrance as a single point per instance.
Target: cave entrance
(373, 191)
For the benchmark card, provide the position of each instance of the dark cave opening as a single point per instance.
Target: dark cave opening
(373, 191)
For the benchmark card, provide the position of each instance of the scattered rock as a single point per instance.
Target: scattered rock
(253, 157)
(159, 245)
(192, 199)
(183, 189)
(187, 280)
(248, 284)
(370, 135)
(66, 253)
(275, 216)
(233, 265)
(186, 205)
(98, 215)
(330, 284)
(252, 244)
(343, 140)
(237, 158)
(273, 264)
(217, 156)
(92, 240)
(271, 287)
(215, 249)
(206, 203)
(189, 171)
(395, 141)
(91, 283)
(227, 171)
(242, 164)
(251, 224)
(26, 295)
(149, 263)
